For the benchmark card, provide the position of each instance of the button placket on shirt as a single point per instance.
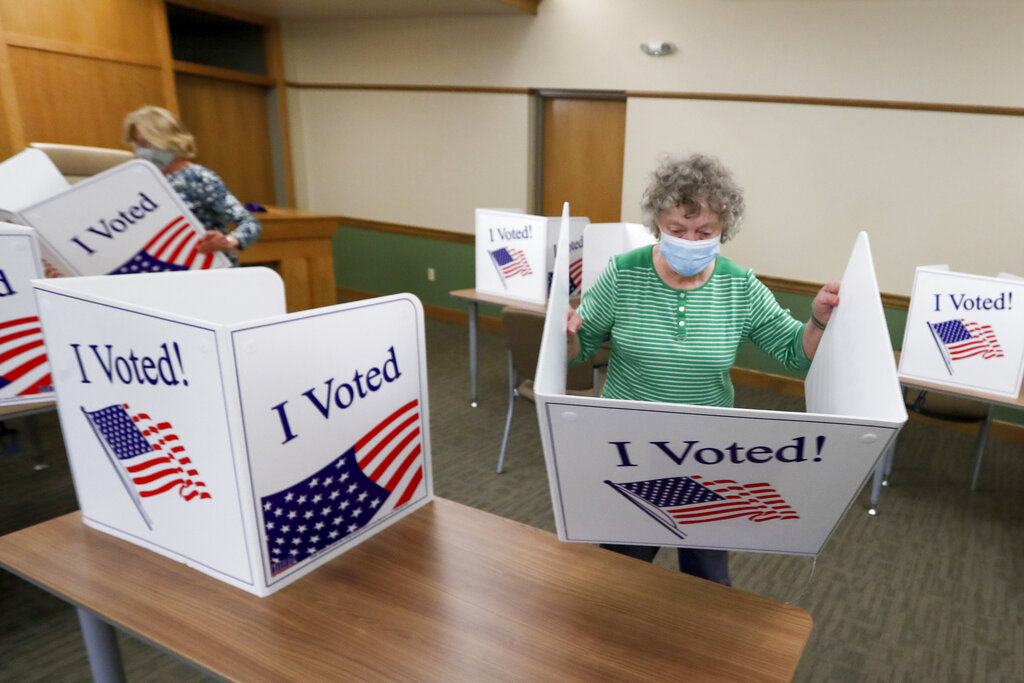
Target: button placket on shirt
(681, 316)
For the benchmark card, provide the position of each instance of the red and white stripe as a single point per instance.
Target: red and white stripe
(576, 273)
(178, 243)
(390, 455)
(23, 358)
(983, 343)
(167, 467)
(759, 502)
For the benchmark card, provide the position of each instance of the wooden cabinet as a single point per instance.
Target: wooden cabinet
(297, 244)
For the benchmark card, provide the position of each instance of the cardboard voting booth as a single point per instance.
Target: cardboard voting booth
(515, 254)
(667, 474)
(127, 219)
(965, 331)
(602, 241)
(214, 429)
(24, 371)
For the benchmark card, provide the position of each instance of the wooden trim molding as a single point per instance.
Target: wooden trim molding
(62, 47)
(222, 74)
(225, 11)
(779, 284)
(833, 102)
(991, 110)
(409, 88)
(527, 6)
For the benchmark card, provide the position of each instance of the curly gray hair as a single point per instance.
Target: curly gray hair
(690, 183)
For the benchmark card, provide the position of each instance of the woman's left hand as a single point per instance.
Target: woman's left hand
(214, 240)
(825, 300)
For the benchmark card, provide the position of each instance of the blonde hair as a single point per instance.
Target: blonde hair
(160, 128)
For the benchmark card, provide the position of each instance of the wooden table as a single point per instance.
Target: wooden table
(473, 300)
(448, 593)
(298, 245)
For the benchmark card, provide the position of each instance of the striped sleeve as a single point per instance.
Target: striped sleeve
(597, 308)
(773, 329)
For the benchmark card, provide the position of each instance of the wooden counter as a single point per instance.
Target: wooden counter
(297, 244)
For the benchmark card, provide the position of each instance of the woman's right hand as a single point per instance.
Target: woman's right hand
(573, 323)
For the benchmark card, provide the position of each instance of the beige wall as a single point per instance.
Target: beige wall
(928, 187)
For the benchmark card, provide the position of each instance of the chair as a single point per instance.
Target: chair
(78, 162)
(954, 409)
(523, 330)
(939, 406)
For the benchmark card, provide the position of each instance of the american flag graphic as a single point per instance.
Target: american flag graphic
(147, 455)
(959, 339)
(23, 367)
(379, 474)
(575, 275)
(175, 247)
(510, 263)
(674, 501)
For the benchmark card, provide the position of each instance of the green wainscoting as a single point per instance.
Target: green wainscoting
(386, 263)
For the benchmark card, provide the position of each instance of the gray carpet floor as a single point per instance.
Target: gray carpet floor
(930, 589)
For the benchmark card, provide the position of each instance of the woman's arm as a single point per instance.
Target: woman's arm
(825, 300)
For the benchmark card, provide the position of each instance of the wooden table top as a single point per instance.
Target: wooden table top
(447, 593)
(483, 297)
(26, 408)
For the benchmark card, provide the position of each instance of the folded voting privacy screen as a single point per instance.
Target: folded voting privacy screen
(601, 241)
(965, 331)
(24, 371)
(515, 253)
(690, 476)
(127, 219)
(207, 425)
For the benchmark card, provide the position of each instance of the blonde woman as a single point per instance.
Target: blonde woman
(158, 136)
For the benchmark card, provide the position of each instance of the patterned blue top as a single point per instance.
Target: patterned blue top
(214, 206)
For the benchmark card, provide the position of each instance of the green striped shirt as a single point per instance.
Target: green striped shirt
(677, 346)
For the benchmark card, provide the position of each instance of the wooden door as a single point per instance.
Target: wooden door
(584, 145)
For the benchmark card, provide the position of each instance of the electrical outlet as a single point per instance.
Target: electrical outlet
(431, 275)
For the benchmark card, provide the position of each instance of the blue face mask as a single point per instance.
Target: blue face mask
(161, 158)
(689, 257)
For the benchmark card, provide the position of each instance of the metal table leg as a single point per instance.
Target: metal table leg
(101, 645)
(881, 477)
(474, 310)
(979, 448)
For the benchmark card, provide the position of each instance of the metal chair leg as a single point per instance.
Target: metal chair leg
(511, 405)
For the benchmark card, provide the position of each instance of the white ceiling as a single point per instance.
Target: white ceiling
(368, 9)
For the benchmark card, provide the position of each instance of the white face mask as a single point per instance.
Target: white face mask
(161, 158)
(689, 257)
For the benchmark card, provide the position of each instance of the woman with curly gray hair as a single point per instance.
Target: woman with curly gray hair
(676, 312)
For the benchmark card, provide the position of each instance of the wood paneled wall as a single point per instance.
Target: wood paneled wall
(78, 67)
(229, 120)
(70, 71)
